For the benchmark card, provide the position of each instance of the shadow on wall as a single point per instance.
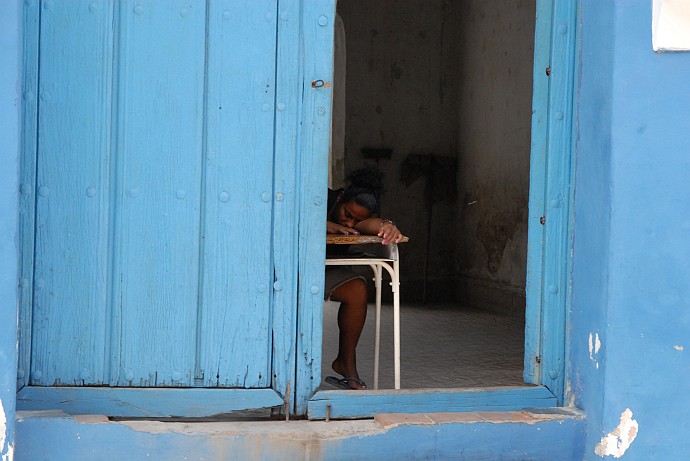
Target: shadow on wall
(439, 173)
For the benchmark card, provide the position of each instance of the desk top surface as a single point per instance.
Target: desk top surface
(340, 239)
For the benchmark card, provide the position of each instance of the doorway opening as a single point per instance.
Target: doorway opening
(438, 96)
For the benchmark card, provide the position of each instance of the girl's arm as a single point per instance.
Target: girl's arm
(335, 228)
(383, 228)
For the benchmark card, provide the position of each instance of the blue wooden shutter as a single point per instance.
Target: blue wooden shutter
(154, 194)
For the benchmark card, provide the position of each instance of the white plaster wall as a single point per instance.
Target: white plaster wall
(494, 124)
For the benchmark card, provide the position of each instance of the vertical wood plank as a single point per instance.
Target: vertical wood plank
(159, 138)
(550, 227)
(234, 323)
(288, 98)
(537, 190)
(72, 184)
(557, 232)
(318, 17)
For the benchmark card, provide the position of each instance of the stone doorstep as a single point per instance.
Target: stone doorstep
(388, 420)
(308, 430)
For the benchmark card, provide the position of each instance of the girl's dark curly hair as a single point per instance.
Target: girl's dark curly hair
(365, 188)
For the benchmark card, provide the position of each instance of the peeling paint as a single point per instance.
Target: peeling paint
(619, 440)
(678, 348)
(594, 346)
(3, 426)
(9, 455)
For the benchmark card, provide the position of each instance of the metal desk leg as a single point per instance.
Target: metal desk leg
(377, 340)
(395, 284)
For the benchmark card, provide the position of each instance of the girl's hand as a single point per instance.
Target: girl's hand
(389, 232)
(335, 228)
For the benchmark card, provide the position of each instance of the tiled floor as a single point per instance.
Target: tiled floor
(442, 346)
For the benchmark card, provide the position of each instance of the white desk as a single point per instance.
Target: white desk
(389, 261)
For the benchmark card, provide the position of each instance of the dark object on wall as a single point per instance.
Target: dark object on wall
(440, 173)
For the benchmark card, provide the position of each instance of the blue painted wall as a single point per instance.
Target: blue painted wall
(632, 233)
(10, 52)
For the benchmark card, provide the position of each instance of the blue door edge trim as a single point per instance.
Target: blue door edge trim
(550, 225)
(145, 402)
(365, 404)
(285, 199)
(27, 177)
(316, 60)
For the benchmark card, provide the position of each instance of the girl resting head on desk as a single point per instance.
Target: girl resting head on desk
(353, 211)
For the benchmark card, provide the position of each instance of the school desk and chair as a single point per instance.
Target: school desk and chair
(387, 258)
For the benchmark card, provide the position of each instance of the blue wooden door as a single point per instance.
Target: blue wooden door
(154, 194)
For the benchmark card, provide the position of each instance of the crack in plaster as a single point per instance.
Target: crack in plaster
(295, 430)
(619, 440)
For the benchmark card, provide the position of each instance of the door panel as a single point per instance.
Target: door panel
(155, 191)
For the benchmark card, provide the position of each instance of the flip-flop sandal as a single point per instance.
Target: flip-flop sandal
(343, 383)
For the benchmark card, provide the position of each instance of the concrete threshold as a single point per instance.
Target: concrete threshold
(319, 429)
(535, 416)
(539, 434)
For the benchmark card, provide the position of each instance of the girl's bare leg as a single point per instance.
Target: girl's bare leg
(351, 317)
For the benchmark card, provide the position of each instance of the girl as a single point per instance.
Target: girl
(353, 211)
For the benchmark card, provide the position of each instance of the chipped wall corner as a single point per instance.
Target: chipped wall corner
(6, 445)
(617, 442)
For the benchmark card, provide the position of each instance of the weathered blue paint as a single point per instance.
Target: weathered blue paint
(316, 41)
(27, 198)
(146, 193)
(150, 403)
(286, 205)
(550, 196)
(632, 246)
(537, 181)
(71, 227)
(344, 404)
(10, 151)
(157, 157)
(67, 438)
(629, 284)
(557, 235)
(239, 277)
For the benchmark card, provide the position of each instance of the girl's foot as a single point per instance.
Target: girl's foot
(351, 377)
